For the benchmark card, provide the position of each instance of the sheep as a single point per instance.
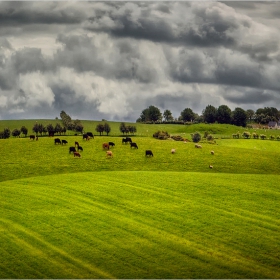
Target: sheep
(173, 151)
(198, 146)
(212, 153)
(210, 166)
(109, 154)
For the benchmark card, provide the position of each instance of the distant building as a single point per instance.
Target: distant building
(274, 125)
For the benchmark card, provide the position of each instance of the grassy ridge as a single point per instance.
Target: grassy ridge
(26, 158)
(140, 225)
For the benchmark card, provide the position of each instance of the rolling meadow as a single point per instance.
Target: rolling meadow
(131, 216)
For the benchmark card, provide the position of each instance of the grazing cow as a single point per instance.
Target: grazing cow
(133, 145)
(128, 139)
(124, 140)
(149, 153)
(77, 154)
(198, 146)
(80, 148)
(109, 154)
(85, 136)
(57, 141)
(111, 144)
(63, 142)
(72, 149)
(173, 151)
(36, 138)
(32, 137)
(76, 144)
(105, 146)
(90, 134)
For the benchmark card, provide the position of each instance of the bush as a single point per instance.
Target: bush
(262, 136)
(246, 134)
(210, 137)
(196, 137)
(177, 138)
(162, 135)
(16, 132)
(272, 137)
(255, 135)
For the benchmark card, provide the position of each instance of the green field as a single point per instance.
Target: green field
(168, 216)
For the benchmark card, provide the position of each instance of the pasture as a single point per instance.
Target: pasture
(131, 216)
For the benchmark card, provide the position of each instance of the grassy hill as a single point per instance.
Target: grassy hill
(168, 216)
(140, 225)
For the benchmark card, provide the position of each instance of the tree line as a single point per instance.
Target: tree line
(222, 114)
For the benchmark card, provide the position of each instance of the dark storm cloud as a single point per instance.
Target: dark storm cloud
(251, 96)
(14, 13)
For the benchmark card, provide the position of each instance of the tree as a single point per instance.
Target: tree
(209, 114)
(24, 130)
(100, 128)
(35, 128)
(122, 128)
(79, 127)
(187, 115)
(6, 133)
(239, 117)
(223, 114)
(167, 115)
(151, 114)
(58, 128)
(250, 114)
(41, 128)
(196, 137)
(107, 128)
(16, 132)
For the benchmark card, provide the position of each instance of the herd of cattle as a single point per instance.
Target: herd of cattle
(106, 146)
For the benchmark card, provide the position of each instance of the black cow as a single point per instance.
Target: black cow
(80, 148)
(64, 142)
(124, 140)
(32, 137)
(149, 153)
(57, 140)
(111, 144)
(85, 136)
(133, 145)
(90, 134)
(72, 149)
(128, 139)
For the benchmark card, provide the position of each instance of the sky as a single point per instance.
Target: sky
(111, 60)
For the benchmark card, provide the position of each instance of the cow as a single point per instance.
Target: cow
(133, 145)
(128, 139)
(80, 148)
(109, 154)
(105, 146)
(32, 137)
(149, 153)
(111, 144)
(72, 149)
(36, 138)
(90, 134)
(76, 144)
(77, 154)
(57, 140)
(63, 142)
(85, 136)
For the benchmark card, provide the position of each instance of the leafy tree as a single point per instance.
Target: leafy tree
(250, 114)
(24, 130)
(6, 133)
(209, 114)
(41, 128)
(16, 132)
(223, 114)
(122, 128)
(239, 117)
(167, 115)
(132, 129)
(100, 128)
(187, 115)
(35, 128)
(79, 127)
(50, 128)
(151, 113)
(107, 128)
(58, 128)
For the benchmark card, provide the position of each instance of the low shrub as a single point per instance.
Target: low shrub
(161, 135)
(196, 137)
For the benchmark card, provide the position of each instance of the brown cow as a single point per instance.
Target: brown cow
(77, 154)
(76, 144)
(106, 146)
(109, 154)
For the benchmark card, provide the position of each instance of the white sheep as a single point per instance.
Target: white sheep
(210, 166)
(198, 146)
(212, 153)
(173, 151)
